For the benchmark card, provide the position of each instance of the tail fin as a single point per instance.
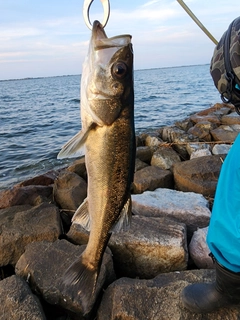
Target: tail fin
(79, 284)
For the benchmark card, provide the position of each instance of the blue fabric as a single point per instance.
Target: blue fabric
(224, 230)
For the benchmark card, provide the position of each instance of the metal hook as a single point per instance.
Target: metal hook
(86, 9)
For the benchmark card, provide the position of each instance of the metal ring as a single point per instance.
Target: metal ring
(86, 9)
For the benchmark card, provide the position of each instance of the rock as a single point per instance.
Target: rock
(225, 133)
(149, 247)
(140, 164)
(157, 299)
(172, 133)
(199, 251)
(79, 167)
(69, 190)
(18, 195)
(198, 175)
(44, 263)
(192, 147)
(185, 207)
(153, 141)
(200, 153)
(45, 179)
(164, 157)
(151, 178)
(144, 154)
(202, 130)
(232, 118)
(221, 148)
(18, 302)
(22, 225)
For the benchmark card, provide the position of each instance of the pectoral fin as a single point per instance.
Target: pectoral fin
(124, 220)
(75, 146)
(81, 216)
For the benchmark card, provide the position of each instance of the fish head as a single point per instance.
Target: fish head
(107, 78)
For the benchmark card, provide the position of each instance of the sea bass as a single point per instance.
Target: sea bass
(107, 139)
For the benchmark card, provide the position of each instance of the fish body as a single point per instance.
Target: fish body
(107, 139)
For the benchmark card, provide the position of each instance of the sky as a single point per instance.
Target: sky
(49, 37)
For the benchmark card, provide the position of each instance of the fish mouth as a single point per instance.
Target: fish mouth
(101, 41)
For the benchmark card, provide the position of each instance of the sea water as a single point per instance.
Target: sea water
(39, 115)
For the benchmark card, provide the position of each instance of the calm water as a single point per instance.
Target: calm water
(37, 116)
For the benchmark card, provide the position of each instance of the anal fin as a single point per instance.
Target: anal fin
(81, 216)
(124, 221)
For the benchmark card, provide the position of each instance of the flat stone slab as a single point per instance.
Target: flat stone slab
(186, 207)
(18, 302)
(21, 225)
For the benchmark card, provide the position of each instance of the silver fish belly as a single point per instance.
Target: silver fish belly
(107, 139)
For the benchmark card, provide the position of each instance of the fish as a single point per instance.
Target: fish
(107, 139)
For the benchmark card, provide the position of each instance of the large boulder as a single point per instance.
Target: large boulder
(151, 178)
(158, 298)
(69, 190)
(18, 302)
(186, 207)
(198, 175)
(21, 225)
(149, 247)
(44, 264)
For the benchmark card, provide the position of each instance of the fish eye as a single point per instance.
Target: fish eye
(119, 69)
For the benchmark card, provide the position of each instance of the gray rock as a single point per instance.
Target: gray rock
(232, 118)
(149, 247)
(79, 167)
(153, 141)
(199, 251)
(157, 299)
(22, 225)
(164, 157)
(151, 178)
(44, 263)
(200, 153)
(18, 302)
(186, 207)
(69, 190)
(140, 164)
(221, 148)
(192, 147)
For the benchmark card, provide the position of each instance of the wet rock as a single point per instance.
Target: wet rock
(44, 264)
(79, 167)
(199, 251)
(164, 157)
(30, 194)
(158, 298)
(149, 247)
(144, 154)
(198, 175)
(221, 148)
(69, 190)
(225, 133)
(151, 178)
(18, 302)
(22, 225)
(186, 207)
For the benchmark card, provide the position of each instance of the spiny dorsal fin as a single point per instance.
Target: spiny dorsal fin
(81, 216)
(124, 220)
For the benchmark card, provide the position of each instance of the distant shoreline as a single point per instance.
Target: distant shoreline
(70, 75)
